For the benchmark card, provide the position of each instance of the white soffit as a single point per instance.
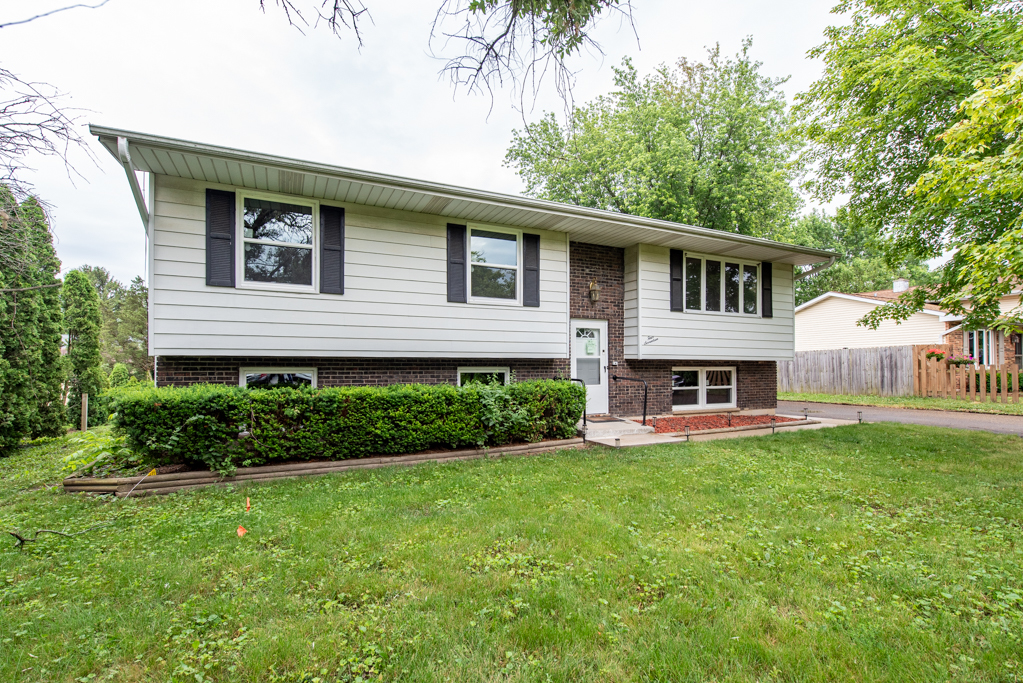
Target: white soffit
(226, 166)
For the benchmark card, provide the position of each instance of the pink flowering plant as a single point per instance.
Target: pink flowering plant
(961, 360)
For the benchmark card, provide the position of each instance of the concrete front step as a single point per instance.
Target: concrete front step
(605, 430)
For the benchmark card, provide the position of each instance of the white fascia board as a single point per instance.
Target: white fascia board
(850, 297)
(950, 330)
(481, 197)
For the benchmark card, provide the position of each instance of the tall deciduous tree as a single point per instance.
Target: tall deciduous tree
(703, 144)
(125, 334)
(83, 323)
(894, 79)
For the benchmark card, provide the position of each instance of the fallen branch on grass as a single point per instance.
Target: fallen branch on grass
(22, 540)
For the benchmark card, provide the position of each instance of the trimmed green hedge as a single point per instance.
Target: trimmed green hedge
(208, 423)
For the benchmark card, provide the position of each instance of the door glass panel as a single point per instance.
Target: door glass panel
(588, 370)
(713, 286)
(732, 287)
(749, 289)
(587, 355)
(693, 277)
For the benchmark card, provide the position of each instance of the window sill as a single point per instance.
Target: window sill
(725, 314)
(702, 410)
(494, 302)
(250, 287)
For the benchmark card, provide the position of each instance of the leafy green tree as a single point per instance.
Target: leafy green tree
(885, 111)
(974, 187)
(83, 323)
(860, 267)
(703, 144)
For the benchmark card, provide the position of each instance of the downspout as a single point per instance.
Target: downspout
(133, 181)
(814, 271)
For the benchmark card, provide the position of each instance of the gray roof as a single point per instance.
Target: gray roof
(227, 166)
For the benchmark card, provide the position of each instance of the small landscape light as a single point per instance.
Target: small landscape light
(594, 291)
(729, 419)
(859, 415)
(772, 425)
(618, 443)
(687, 432)
(806, 413)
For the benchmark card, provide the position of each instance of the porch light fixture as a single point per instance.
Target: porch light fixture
(594, 292)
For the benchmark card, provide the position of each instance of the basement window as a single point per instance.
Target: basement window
(702, 388)
(484, 375)
(277, 378)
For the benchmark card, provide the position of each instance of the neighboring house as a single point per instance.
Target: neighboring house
(829, 322)
(989, 347)
(269, 270)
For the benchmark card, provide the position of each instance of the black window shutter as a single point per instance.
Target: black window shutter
(767, 298)
(220, 230)
(456, 263)
(530, 270)
(677, 303)
(332, 250)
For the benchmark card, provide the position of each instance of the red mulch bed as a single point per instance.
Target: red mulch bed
(696, 423)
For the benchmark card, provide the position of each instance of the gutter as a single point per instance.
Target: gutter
(814, 271)
(124, 156)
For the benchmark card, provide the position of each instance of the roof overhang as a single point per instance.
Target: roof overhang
(851, 297)
(268, 173)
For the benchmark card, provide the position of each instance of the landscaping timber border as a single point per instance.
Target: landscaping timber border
(158, 484)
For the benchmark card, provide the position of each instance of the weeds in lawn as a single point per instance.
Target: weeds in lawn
(881, 552)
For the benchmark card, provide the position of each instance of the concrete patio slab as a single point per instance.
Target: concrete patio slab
(629, 440)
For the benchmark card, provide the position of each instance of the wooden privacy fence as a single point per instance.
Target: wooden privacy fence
(939, 379)
(875, 370)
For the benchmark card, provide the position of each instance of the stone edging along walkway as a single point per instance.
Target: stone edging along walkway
(180, 481)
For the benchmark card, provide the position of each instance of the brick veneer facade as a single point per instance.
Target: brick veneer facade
(756, 381)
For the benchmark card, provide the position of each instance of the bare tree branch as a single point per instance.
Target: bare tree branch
(338, 15)
(46, 14)
(33, 120)
(520, 42)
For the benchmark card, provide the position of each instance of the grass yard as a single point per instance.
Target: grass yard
(918, 402)
(866, 553)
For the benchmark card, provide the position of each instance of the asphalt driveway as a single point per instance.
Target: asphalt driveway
(1002, 424)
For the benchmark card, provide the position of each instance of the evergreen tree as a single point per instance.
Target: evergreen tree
(84, 324)
(119, 375)
(15, 384)
(50, 415)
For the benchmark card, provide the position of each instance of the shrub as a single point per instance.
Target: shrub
(224, 426)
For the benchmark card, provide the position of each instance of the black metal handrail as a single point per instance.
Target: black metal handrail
(573, 379)
(646, 388)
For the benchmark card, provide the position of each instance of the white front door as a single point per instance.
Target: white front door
(589, 361)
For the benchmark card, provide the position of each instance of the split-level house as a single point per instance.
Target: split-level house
(267, 270)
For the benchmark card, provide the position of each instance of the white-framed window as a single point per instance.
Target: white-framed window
(715, 284)
(272, 378)
(278, 242)
(702, 388)
(495, 265)
(465, 375)
(981, 345)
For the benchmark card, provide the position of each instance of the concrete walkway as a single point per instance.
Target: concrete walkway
(983, 422)
(625, 440)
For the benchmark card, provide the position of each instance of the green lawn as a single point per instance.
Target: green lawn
(872, 552)
(918, 402)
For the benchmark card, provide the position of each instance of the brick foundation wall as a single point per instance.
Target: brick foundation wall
(756, 381)
(337, 372)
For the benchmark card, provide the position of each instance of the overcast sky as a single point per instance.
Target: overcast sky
(224, 73)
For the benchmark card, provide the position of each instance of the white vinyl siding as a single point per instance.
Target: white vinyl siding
(672, 335)
(631, 302)
(395, 300)
(831, 324)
